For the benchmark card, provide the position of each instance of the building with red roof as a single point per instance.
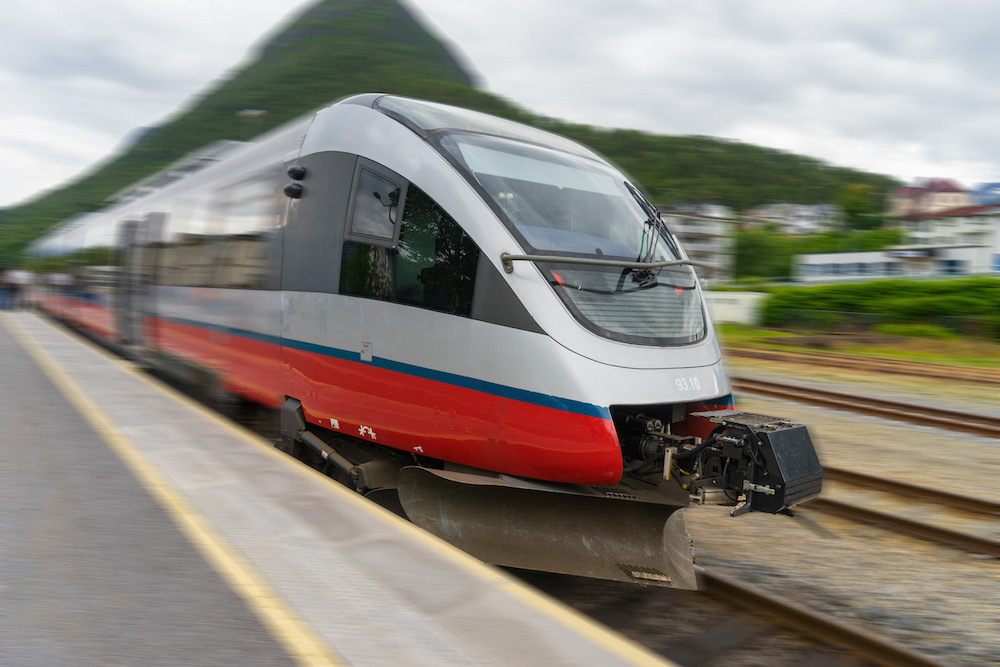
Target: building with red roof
(928, 196)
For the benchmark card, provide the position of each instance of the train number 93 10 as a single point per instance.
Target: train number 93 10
(690, 383)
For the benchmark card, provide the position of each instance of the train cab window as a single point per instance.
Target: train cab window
(432, 266)
(378, 197)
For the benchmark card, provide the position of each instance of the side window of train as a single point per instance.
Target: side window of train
(250, 217)
(187, 253)
(376, 200)
(433, 264)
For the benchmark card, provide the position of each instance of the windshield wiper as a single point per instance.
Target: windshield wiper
(644, 278)
(508, 260)
(654, 220)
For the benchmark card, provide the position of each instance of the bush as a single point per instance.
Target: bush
(764, 253)
(915, 330)
(965, 304)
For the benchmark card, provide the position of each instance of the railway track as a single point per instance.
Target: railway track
(882, 365)
(858, 640)
(955, 501)
(984, 425)
(722, 620)
(925, 531)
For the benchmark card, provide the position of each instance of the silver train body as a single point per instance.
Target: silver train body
(444, 304)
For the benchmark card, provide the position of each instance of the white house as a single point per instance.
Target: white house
(706, 231)
(796, 218)
(976, 225)
(923, 260)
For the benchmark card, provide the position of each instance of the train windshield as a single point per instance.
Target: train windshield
(562, 204)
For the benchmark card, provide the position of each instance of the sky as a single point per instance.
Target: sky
(908, 88)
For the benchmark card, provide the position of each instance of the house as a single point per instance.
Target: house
(907, 261)
(956, 241)
(975, 225)
(928, 196)
(795, 218)
(986, 194)
(706, 232)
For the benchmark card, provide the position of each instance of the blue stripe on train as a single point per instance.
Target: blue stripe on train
(504, 391)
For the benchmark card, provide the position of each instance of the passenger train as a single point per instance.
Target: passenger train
(485, 322)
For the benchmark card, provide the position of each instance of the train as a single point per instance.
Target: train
(485, 326)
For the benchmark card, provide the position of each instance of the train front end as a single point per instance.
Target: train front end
(626, 334)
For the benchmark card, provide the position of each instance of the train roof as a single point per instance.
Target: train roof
(428, 118)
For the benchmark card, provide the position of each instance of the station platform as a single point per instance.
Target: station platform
(138, 527)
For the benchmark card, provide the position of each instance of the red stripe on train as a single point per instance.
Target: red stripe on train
(423, 416)
(419, 415)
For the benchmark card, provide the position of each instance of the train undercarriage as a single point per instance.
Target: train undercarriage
(634, 531)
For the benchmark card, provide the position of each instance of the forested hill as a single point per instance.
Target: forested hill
(340, 47)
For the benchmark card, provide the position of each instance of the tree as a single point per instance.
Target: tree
(860, 206)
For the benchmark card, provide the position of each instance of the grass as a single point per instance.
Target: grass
(957, 351)
(744, 335)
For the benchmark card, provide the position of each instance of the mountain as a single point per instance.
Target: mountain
(339, 47)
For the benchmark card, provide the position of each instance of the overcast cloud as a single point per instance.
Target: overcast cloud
(905, 88)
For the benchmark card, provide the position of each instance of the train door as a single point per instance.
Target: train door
(243, 306)
(134, 302)
(376, 280)
(312, 241)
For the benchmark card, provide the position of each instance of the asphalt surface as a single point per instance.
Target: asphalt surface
(92, 569)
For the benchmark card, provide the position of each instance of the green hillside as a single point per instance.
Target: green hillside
(340, 47)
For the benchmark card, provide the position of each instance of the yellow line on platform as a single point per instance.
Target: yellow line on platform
(610, 640)
(293, 632)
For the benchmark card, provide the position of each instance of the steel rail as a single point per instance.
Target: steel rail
(816, 624)
(955, 421)
(881, 364)
(909, 527)
(897, 524)
(984, 425)
(952, 500)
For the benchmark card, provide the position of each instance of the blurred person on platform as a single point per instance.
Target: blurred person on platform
(13, 289)
(5, 291)
(19, 282)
